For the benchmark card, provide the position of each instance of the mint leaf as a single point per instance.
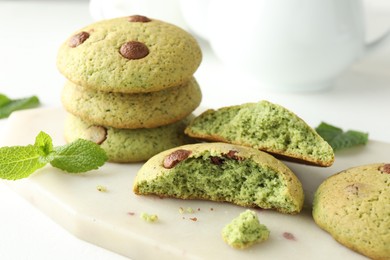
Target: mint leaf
(328, 132)
(44, 142)
(7, 105)
(79, 156)
(4, 100)
(339, 139)
(18, 162)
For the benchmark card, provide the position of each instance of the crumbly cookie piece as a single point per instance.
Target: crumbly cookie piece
(221, 172)
(128, 145)
(143, 110)
(129, 55)
(354, 207)
(264, 126)
(245, 231)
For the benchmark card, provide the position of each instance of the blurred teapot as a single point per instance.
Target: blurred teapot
(285, 44)
(166, 10)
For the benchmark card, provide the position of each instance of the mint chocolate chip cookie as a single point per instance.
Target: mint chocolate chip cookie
(264, 126)
(129, 55)
(221, 172)
(138, 110)
(128, 145)
(354, 207)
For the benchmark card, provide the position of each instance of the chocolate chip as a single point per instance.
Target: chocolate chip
(134, 50)
(174, 158)
(232, 155)
(216, 160)
(385, 168)
(78, 39)
(352, 189)
(97, 134)
(138, 19)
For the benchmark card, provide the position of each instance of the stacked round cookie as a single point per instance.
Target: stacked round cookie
(130, 86)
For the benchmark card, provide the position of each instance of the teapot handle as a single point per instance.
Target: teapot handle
(377, 26)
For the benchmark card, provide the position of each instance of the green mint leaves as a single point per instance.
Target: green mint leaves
(79, 156)
(19, 162)
(7, 105)
(339, 139)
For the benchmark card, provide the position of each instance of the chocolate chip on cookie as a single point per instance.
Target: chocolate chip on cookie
(134, 50)
(174, 158)
(97, 134)
(216, 160)
(78, 39)
(232, 155)
(385, 168)
(138, 19)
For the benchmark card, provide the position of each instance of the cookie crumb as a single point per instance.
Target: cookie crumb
(187, 210)
(151, 218)
(245, 231)
(101, 188)
(289, 236)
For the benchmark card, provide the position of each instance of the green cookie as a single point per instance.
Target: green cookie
(128, 145)
(129, 55)
(264, 126)
(143, 110)
(354, 207)
(221, 172)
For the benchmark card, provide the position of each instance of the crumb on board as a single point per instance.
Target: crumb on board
(101, 188)
(149, 217)
(245, 231)
(190, 210)
(289, 236)
(187, 210)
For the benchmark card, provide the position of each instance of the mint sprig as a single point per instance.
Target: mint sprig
(7, 105)
(17, 162)
(76, 157)
(338, 139)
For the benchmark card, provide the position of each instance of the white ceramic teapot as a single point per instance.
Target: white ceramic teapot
(288, 45)
(166, 10)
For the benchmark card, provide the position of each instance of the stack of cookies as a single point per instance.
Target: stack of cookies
(130, 86)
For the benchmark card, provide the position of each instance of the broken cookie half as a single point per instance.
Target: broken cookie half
(264, 126)
(221, 172)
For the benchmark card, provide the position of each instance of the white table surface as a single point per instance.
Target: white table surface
(30, 33)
